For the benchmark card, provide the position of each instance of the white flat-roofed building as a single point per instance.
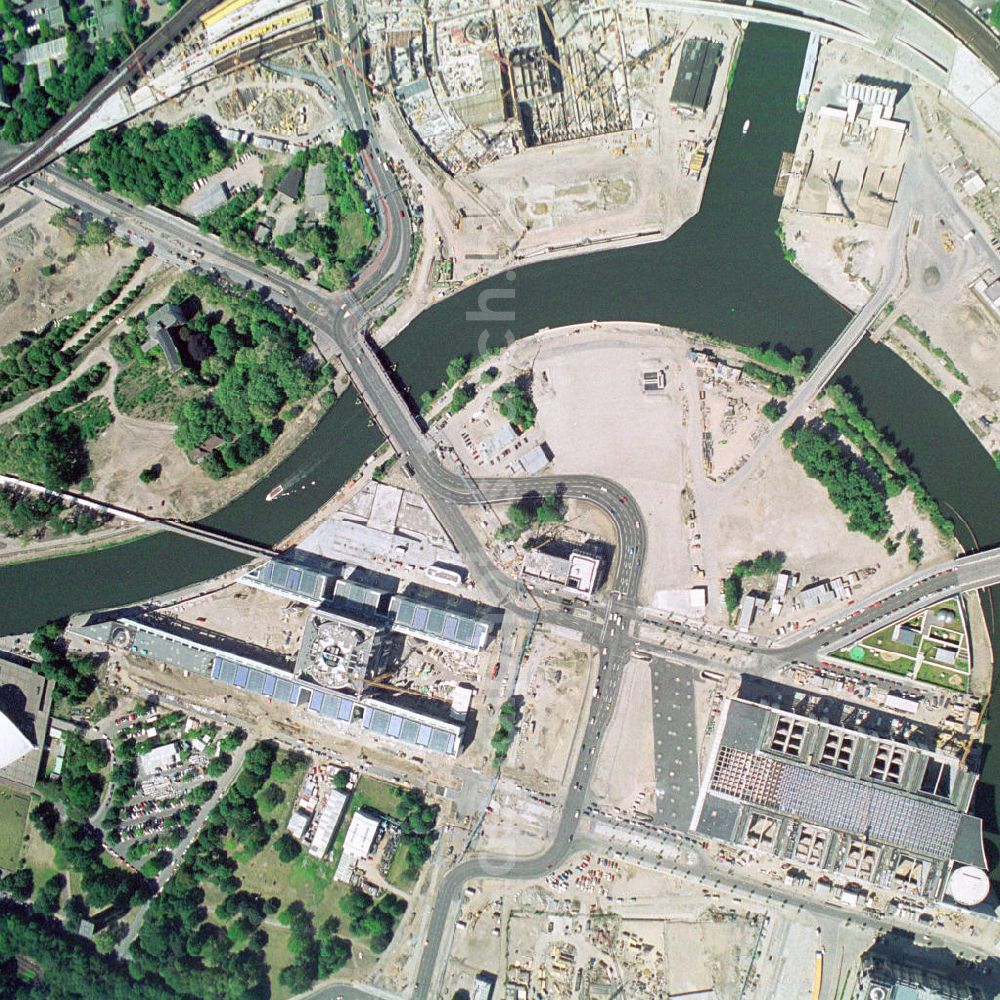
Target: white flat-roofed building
(13, 743)
(358, 843)
(158, 759)
(326, 825)
(298, 822)
(461, 701)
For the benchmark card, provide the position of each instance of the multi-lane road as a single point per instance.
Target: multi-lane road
(340, 322)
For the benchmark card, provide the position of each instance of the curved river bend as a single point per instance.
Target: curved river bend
(721, 273)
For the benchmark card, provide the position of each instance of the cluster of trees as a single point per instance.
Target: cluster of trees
(47, 443)
(510, 716)
(19, 884)
(775, 382)
(49, 895)
(79, 848)
(23, 513)
(342, 241)
(151, 163)
(766, 564)
(74, 676)
(850, 488)
(315, 956)
(29, 363)
(81, 783)
(514, 401)
(34, 106)
(237, 811)
(456, 370)
(776, 356)
(417, 820)
(259, 365)
(529, 511)
(883, 457)
(195, 957)
(773, 410)
(67, 966)
(375, 919)
(235, 223)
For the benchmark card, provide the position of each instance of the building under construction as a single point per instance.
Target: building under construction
(861, 795)
(571, 82)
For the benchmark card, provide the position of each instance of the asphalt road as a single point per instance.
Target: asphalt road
(340, 322)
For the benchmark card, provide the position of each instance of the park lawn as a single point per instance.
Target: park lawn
(397, 867)
(351, 235)
(39, 856)
(951, 679)
(883, 641)
(14, 808)
(872, 659)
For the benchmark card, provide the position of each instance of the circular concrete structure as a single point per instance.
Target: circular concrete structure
(969, 886)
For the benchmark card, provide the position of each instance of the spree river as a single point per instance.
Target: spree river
(721, 273)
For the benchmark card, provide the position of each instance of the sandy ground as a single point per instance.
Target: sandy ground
(573, 369)
(657, 935)
(625, 777)
(552, 201)
(554, 683)
(778, 508)
(28, 300)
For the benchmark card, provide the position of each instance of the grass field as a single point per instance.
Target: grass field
(306, 879)
(902, 666)
(369, 793)
(397, 867)
(951, 679)
(14, 808)
(351, 235)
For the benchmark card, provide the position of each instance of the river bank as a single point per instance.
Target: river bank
(721, 273)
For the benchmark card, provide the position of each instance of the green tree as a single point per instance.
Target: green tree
(460, 398)
(19, 884)
(49, 894)
(350, 143)
(515, 403)
(456, 369)
(272, 796)
(287, 847)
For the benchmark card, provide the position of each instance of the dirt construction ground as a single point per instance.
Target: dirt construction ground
(596, 419)
(29, 300)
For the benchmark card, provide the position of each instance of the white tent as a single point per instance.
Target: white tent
(13, 743)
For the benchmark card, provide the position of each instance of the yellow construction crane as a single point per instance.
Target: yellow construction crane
(380, 683)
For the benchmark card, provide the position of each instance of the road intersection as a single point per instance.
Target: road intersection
(341, 322)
